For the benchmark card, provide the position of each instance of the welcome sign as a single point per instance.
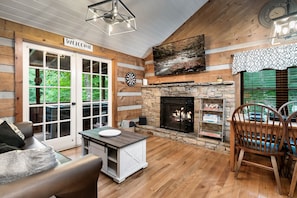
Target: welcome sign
(75, 43)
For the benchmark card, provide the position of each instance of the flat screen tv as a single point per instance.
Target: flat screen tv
(180, 57)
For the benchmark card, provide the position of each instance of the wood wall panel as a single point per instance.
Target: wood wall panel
(128, 115)
(6, 82)
(130, 60)
(123, 87)
(8, 51)
(6, 59)
(6, 108)
(224, 23)
(123, 71)
(149, 68)
(5, 33)
(128, 101)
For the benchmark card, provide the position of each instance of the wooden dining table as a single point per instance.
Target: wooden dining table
(232, 140)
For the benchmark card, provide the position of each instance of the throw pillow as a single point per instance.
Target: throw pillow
(15, 129)
(21, 163)
(8, 136)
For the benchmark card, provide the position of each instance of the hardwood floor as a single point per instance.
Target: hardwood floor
(180, 170)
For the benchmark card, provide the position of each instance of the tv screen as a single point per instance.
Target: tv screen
(180, 57)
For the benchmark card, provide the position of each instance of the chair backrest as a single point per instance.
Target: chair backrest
(292, 132)
(258, 128)
(288, 108)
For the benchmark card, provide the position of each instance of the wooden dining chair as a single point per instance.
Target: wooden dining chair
(288, 108)
(259, 130)
(292, 145)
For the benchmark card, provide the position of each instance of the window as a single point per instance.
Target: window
(271, 87)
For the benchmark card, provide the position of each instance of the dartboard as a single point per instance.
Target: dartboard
(130, 79)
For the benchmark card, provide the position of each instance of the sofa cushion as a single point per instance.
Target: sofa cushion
(5, 148)
(15, 129)
(8, 136)
(21, 163)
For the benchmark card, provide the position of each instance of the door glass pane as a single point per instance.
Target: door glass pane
(96, 67)
(86, 94)
(64, 112)
(96, 121)
(86, 110)
(104, 108)
(51, 131)
(96, 81)
(104, 68)
(65, 95)
(51, 78)
(51, 95)
(65, 128)
(52, 60)
(36, 58)
(36, 95)
(36, 77)
(38, 132)
(65, 79)
(65, 62)
(86, 80)
(104, 81)
(36, 114)
(104, 120)
(86, 124)
(51, 113)
(96, 109)
(86, 65)
(104, 94)
(96, 95)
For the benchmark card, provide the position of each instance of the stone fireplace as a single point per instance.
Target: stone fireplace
(152, 94)
(177, 113)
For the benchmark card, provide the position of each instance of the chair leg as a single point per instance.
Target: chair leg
(293, 181)
(240, 157)
(276, 174)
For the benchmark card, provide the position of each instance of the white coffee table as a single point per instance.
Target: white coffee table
(122, 155)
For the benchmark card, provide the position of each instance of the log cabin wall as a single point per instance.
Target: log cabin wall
(126, 100)
(229, 26)
(6, 74)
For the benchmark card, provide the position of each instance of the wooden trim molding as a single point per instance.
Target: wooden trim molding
(114, 93)
(18, 48)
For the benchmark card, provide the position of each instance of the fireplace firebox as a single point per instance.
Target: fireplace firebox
(177, 113)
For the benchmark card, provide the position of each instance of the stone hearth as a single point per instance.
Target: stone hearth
(151, 104)
(187, 138)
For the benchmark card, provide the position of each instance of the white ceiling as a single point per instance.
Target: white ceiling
(156, 20)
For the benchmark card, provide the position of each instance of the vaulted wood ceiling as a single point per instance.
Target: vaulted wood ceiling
(156, 20)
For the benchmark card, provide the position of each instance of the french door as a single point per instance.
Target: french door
(64, 93)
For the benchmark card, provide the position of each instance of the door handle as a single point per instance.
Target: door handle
(73, 103)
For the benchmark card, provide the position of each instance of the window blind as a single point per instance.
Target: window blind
(270, 87)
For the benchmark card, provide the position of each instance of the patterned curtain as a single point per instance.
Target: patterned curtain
(278, 58)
